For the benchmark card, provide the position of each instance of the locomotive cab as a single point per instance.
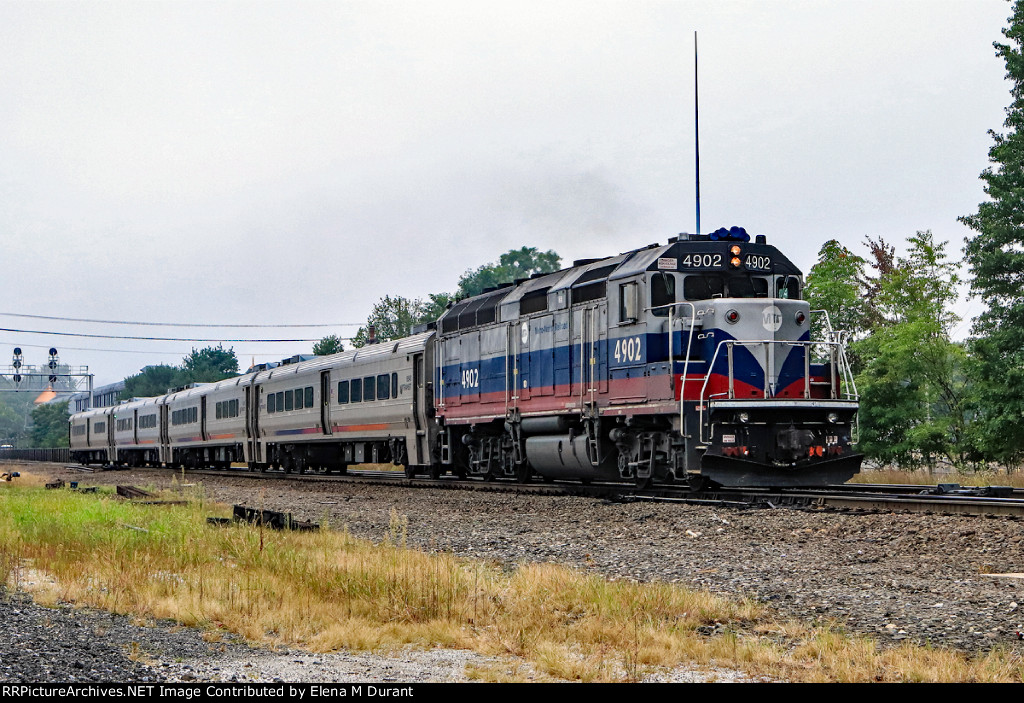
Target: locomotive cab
(775, 407)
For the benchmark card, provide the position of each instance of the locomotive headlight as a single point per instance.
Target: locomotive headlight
(743, 417)
(734, 262)
(735, 250)
(833, 418)
(732, 317)
(800, 317)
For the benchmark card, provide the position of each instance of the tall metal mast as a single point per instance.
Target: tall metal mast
(696, 126)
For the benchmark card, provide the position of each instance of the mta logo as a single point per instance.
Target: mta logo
(771, 318)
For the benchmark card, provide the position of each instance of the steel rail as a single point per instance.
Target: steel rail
(862, 497)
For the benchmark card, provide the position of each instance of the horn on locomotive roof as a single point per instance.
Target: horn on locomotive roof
(732, 233)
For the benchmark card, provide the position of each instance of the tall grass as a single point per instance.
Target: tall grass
(326, 591)
(924, 477)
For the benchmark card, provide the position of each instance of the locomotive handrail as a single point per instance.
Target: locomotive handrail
(671, 355)
(838, 336)
(837, 356)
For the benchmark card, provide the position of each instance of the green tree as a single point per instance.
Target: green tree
(914, 402)
(16, 405)
(434, 306)
(995, 255)
(200, 366)
(330, 344)
(12, 425)
(834, 284)
(512, 265)
(882, 259)
(50, 425)
(210, 364)
(392, 318)
(152, 381)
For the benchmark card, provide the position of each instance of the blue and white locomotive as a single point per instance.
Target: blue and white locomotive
(688, 361)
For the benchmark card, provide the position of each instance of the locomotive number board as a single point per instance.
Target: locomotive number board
(713, 260)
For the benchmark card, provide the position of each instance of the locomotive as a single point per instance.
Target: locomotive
(687, 361)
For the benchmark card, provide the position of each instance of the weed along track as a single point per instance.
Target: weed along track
(655, 584)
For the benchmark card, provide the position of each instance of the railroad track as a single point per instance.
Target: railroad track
(841, 498)
(948, 498)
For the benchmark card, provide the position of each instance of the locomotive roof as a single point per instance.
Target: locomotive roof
(576, 273)
(623, 265)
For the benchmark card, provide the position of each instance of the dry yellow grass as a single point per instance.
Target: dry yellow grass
(327, 591)
(924, 477)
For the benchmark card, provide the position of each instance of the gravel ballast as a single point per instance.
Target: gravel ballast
(924, 578)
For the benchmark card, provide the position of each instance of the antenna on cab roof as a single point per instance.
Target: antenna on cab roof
(696, 125)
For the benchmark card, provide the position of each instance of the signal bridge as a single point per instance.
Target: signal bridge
(60, 378)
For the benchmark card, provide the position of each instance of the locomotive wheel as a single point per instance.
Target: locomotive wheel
(410, 471)
(523, 473)
(698, 483)
(643, 483)
(435, 471)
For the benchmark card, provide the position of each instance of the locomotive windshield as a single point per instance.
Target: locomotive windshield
(787, 287)
(715, 286)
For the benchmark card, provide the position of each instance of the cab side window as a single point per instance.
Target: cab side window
(663, 293)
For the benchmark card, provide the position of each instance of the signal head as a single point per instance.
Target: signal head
(53, 351)
(17, 351)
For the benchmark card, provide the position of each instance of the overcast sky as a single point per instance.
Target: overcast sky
(283, 163)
